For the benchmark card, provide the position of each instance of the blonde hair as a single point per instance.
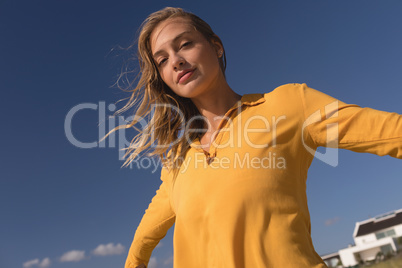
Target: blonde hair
(165, 124)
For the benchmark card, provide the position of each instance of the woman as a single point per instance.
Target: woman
(235, 167)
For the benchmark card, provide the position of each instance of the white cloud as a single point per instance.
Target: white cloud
(109, 249)
(73, 255)
(160, 244)
(30, 263)
(152, 263)
(168, 261)
(44, 263)
(332, 221)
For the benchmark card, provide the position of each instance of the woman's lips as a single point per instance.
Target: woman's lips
(186, 74)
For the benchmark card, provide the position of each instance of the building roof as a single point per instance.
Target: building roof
(379, 223)
(330, 256)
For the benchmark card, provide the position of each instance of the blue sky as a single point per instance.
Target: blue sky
(60, 200)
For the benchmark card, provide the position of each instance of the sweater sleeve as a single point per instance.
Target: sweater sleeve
(333, 123)
(157, 220)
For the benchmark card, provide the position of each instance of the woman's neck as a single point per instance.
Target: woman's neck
(214, 105)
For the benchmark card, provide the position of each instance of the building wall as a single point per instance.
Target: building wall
(398, 230)
(347, 257)
(352, 255)
(369, 254)
(361, 240)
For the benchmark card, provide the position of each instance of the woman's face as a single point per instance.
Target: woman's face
(186, 61)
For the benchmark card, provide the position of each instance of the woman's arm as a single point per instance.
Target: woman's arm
(157, 220)
(333, 123)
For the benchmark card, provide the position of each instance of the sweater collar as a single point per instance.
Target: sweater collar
(248, 100)
(252, 99)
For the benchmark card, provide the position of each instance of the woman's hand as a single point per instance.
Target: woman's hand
(141, 266)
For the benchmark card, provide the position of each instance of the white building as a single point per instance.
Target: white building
(380, 234)
(332, 260)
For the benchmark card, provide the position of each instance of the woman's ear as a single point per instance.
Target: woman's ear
(217, 44)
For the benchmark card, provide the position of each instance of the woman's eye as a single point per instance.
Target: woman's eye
(185, 44)
(162, 62)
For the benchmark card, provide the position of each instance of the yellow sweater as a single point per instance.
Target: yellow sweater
(248, 206)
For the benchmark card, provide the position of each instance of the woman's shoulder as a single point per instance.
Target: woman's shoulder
(288, 88)
(286, 91)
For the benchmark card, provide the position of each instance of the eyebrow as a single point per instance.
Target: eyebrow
(173, 41)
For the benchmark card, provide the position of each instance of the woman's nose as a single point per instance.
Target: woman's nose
(178, 62)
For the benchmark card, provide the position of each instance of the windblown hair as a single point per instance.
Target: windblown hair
(168, 124)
